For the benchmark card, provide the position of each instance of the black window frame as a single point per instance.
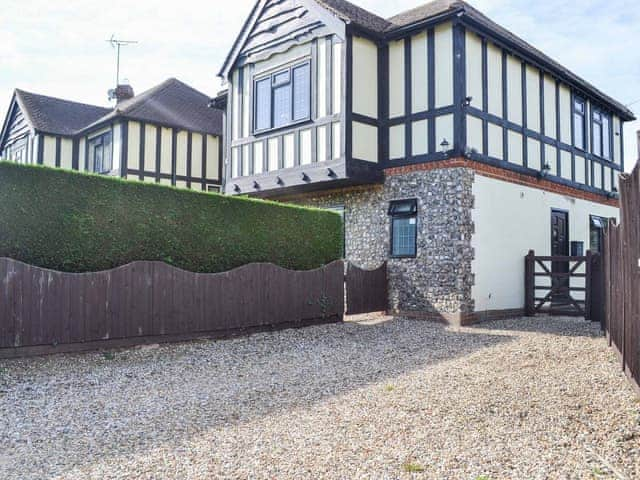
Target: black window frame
(583, 114)
(273, 85)
(597, 118)
(594, 220)
(394, 214)
(92, 145)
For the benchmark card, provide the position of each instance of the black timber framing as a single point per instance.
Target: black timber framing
(158, 153)
(460, 25)
(174, 155)
(508, 46)
(75, 154)
(383, 102)
(525, 143)
(485, 98)
(408, 103)
(124, 148)
(347, 98)
(544, 139)
(40, 155)
(204, 162)
(543, 150)
(58, 148)
(459, 89)
(527, 59)
(431, 93)
(189, 158)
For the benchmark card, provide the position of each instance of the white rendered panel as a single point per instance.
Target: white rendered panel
(305, 147)
(495, 141)
(419, 77)
(365, 77)
(396, 142)
(443, 40)
(150, 148)
(494, 79)
(420, 137)
(533, 98)
(565, 114)
(515, 147)
(534, 154)
(473, 55)
(396, 78)
(474, 133)
(549, 106)
(514, 89)
(365, 142)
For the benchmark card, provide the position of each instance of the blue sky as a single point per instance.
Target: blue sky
(58, 48)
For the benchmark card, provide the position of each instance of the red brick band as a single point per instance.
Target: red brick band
(504, 175)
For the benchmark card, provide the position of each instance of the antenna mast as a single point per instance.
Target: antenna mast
(117, 43)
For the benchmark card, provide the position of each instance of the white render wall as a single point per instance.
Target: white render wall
(509, 221)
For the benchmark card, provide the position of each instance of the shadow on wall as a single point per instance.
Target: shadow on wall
(235, 381)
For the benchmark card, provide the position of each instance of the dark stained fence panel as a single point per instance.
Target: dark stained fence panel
(366, 290)
(40, 307)
(622, 278)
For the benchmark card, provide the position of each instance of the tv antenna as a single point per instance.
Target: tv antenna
(117, 43)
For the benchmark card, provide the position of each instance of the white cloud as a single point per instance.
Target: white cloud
(59, 48)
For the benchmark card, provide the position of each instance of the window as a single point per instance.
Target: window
(601, 134)
(283, 98)
(597, 226)
(579, 123)
(101, 154)
(213, 188)
(404, 223)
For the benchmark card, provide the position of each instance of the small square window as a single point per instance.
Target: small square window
(404, 228)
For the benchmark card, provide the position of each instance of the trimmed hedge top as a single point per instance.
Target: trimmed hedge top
(78, 222)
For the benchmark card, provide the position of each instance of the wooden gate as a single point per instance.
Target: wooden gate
(573, 290)
(366, 289)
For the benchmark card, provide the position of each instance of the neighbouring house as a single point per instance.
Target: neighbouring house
(167, 135)
(451, 146)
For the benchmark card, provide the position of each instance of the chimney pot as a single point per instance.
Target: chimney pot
(123, 92)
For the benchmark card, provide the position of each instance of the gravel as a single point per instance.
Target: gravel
(378, 398)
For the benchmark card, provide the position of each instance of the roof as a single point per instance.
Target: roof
(171, 103)
(371, 22)
(356, 15)
(57, 116)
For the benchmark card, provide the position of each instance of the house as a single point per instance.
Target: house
(167, 135)
(451, 146)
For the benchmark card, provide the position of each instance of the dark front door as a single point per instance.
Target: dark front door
(560, 247)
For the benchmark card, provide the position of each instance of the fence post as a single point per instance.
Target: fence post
(529, 284)
(588, 314)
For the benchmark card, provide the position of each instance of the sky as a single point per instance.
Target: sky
(59, 48)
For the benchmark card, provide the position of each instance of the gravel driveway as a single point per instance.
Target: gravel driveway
(517, 399)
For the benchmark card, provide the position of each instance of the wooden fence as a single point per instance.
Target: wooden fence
(557, 285)
(622, 278)
(366, 289)
(43, 311)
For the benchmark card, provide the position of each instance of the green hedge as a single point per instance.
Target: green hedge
(78, 222)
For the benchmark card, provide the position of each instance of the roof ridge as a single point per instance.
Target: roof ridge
(21, 92)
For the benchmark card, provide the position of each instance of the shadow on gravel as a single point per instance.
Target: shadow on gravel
(74, 406)
(560, 326)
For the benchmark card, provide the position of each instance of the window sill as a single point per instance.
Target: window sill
(296, 124)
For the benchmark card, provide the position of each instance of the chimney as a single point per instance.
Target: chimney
(123, 92)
